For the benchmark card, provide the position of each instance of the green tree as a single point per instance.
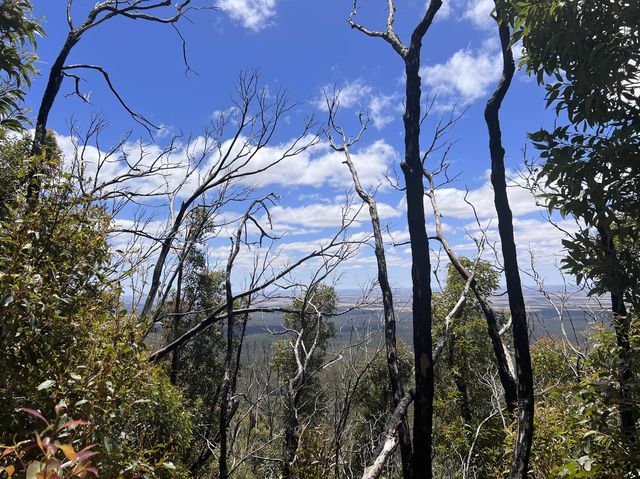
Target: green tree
(308, 317)
(464, 373)
(586, 53)
(197, 369)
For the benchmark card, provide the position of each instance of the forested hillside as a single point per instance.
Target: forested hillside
(281, 239)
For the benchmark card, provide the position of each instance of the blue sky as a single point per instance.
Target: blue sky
(303, 47)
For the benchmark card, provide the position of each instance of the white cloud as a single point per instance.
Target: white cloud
(452, 204)
(320, 166)
(478, 12)
(317, 167)
(252, 14)
(351, 94)
(467, 75)
(382, 109)
(321, 215)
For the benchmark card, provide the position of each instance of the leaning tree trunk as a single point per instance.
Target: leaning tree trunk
(56, 75)
(503, 358)
(524, 373)
(175, 358)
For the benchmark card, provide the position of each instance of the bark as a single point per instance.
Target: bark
(163, 255)
(56, 75)
(228, 403)
(290, 438)
(621, 324)
(525, 413)
(420, 272)
(303, 356)
(397, 388)
(175, 359)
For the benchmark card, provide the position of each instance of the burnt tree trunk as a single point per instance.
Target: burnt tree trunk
(291, 440)
(56, 75)
(524, 373)
(420, 271)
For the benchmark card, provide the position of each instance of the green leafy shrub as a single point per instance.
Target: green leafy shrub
(64, 336)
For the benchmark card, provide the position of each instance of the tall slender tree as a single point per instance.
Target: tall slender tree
(413, 171)
(524, 372)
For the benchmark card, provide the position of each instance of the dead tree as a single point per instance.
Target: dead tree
(397, 388)
(256, 118)
(495, 330)
(524, 372)
(337, 247)
(390, 439)
(356, 361)
(228, 401)
(307, 348)
(159, 11)
(412, 168)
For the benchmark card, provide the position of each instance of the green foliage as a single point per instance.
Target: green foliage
(198, 367)
(18, 30)
(374, 398)
(464, 372)
(64, 338)
(586, 53)
(315, 453)
(577, 417)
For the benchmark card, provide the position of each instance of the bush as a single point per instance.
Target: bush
(64, 336)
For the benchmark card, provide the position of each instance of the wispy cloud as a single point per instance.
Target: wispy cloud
(479, 13)
(254, 15)
(381, 108)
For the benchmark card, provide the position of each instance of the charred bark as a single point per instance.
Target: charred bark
(524, 373)
(413, 172)
(56, 75)
(420, 271)
(175, 358)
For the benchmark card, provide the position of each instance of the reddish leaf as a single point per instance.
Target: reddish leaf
(35, 413)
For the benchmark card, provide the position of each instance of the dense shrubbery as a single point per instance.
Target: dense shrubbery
(66, 341)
